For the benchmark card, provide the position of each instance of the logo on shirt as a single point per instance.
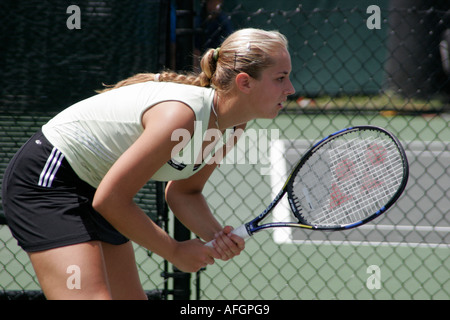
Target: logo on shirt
(176, 165)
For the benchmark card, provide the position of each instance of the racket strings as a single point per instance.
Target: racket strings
(348, 179)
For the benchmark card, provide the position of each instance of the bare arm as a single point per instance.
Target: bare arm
(114, 196)
(186, 200)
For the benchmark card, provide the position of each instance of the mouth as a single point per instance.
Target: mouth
(281, 104)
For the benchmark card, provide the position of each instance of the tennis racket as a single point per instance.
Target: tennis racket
(343, 181)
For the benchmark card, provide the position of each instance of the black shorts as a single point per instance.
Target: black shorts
(46, 204)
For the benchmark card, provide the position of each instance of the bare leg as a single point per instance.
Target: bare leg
(72, 272)
(122, 272)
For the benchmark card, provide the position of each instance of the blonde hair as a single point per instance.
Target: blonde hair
(246, 50)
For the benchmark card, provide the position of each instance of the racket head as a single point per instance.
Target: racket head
(348, 179)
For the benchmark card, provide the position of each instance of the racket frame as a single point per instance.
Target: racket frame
(253, 226)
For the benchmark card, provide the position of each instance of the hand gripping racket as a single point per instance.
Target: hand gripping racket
(345, 180)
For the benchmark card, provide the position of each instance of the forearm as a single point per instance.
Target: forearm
(193, 211)
(133, 223)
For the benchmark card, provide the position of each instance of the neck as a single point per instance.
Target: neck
(230, 111)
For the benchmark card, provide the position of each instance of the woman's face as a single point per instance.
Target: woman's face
(273, 88)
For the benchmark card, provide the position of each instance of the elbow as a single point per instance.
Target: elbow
(103, 202)
(98, 203)
(110, 203)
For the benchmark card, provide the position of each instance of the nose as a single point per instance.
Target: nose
(290, 90)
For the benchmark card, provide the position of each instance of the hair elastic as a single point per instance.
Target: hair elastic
(216, 54)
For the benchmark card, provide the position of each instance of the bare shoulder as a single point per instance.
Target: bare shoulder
(174, 114)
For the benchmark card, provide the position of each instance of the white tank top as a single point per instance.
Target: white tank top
(94, 133)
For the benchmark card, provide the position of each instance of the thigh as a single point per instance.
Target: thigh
(122, 272)
(72, 272)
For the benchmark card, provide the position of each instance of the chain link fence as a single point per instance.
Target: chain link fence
(383, 63)
(53, 54)
(365, 62)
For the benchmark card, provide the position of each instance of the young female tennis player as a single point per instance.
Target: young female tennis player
(68, 192)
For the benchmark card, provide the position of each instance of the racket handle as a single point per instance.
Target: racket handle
(240, 231)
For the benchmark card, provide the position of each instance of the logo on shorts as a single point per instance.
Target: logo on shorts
(51, 168)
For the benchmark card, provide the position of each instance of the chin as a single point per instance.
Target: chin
(272, 115)
(276, 111)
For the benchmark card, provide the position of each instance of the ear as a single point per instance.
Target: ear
(244, 82)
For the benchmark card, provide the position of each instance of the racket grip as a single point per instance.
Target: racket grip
(240, 231)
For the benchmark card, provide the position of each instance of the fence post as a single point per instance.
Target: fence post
(184, 33)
